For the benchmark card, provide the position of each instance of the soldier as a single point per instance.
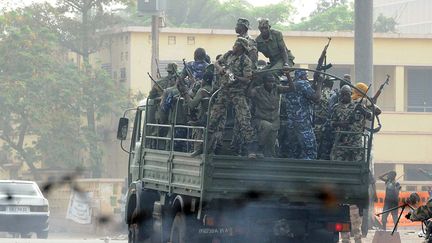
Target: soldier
(347, 121)
(235, 68)
(391, 199)
(322, 114)
(200, 100)
(271, 43)
(265, 100)
(301, 141)
(194, 71)
(155, 113)
(241, 29)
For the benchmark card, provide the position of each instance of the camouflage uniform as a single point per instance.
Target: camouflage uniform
(266, 116)
(252, 45)
(300, 142)
(274, 47)
(321, 115)
(356, 221)
(200, 101)
(232, 92)
(155, 113)
(349, 134)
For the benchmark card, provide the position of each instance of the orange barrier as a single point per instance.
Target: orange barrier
(378, 207)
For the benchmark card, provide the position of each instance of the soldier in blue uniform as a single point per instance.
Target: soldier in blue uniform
(299, 109)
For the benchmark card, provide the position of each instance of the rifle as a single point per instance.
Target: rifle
(322, 61)
(157, 69)
(154, 81)
(189, 73)
(358, 108)
(378, 93)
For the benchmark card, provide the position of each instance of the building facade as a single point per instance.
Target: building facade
(405, 141)
(411, 16)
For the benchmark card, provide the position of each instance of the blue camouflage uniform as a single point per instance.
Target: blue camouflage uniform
(301, 141)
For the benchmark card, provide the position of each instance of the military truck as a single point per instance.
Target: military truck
(179, 198)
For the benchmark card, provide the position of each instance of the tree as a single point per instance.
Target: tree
(35, 84)
(384, 24)
(77, 23)
(43, 95)
(329, 16)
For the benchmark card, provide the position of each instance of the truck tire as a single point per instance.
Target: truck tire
(179, 229)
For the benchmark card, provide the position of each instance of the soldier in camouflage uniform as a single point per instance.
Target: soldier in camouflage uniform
(241, 29)
(155, 113)
(322, 113)
(200, 101)
(266, 99)
(348, 122)
(236, 70)
(301, 142)
(270, 42)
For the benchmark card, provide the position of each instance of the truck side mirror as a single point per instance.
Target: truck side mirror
(122, 129)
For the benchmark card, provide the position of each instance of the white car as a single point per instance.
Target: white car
(23, 209)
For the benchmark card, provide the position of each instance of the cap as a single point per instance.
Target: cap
(299, 73)
(171, 67)
(244, 22)
(263, 22)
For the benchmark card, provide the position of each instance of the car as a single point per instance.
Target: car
(23, 209)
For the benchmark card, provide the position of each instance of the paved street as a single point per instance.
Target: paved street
(406, 235)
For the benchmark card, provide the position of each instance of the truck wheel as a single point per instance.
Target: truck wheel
(42, 234)
(178, 229)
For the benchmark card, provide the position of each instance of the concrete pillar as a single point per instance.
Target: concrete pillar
(363, 41)
(399, 81)
(399, 168)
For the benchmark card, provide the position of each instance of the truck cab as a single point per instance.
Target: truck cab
(176, 197)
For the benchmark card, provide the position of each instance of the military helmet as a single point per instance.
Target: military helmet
(244, 22)
(243, 42)
(171, 67)
(361, 86)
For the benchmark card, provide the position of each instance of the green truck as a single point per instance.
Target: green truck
(178, 198)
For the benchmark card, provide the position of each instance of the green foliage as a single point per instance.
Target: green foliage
(43, 96)
(338, 16)
(214, 14)
(384, 24)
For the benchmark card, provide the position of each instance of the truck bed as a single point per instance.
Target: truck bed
(236, 177)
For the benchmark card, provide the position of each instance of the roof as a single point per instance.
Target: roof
(17, 181)
(342, 34)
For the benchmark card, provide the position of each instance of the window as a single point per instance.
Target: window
(121, 56)
(191, 40)
(122, 74)
(171, 40)
(418, 172)
(126, 39)
(419, 88)
(126, 56)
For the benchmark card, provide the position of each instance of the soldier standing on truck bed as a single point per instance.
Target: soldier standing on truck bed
(235, 68)
(265, 118)
(299, 105)
(271, 43)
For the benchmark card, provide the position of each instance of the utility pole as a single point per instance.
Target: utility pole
(363, 41)
(155, 42)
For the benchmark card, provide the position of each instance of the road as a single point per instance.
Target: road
(406, 236)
